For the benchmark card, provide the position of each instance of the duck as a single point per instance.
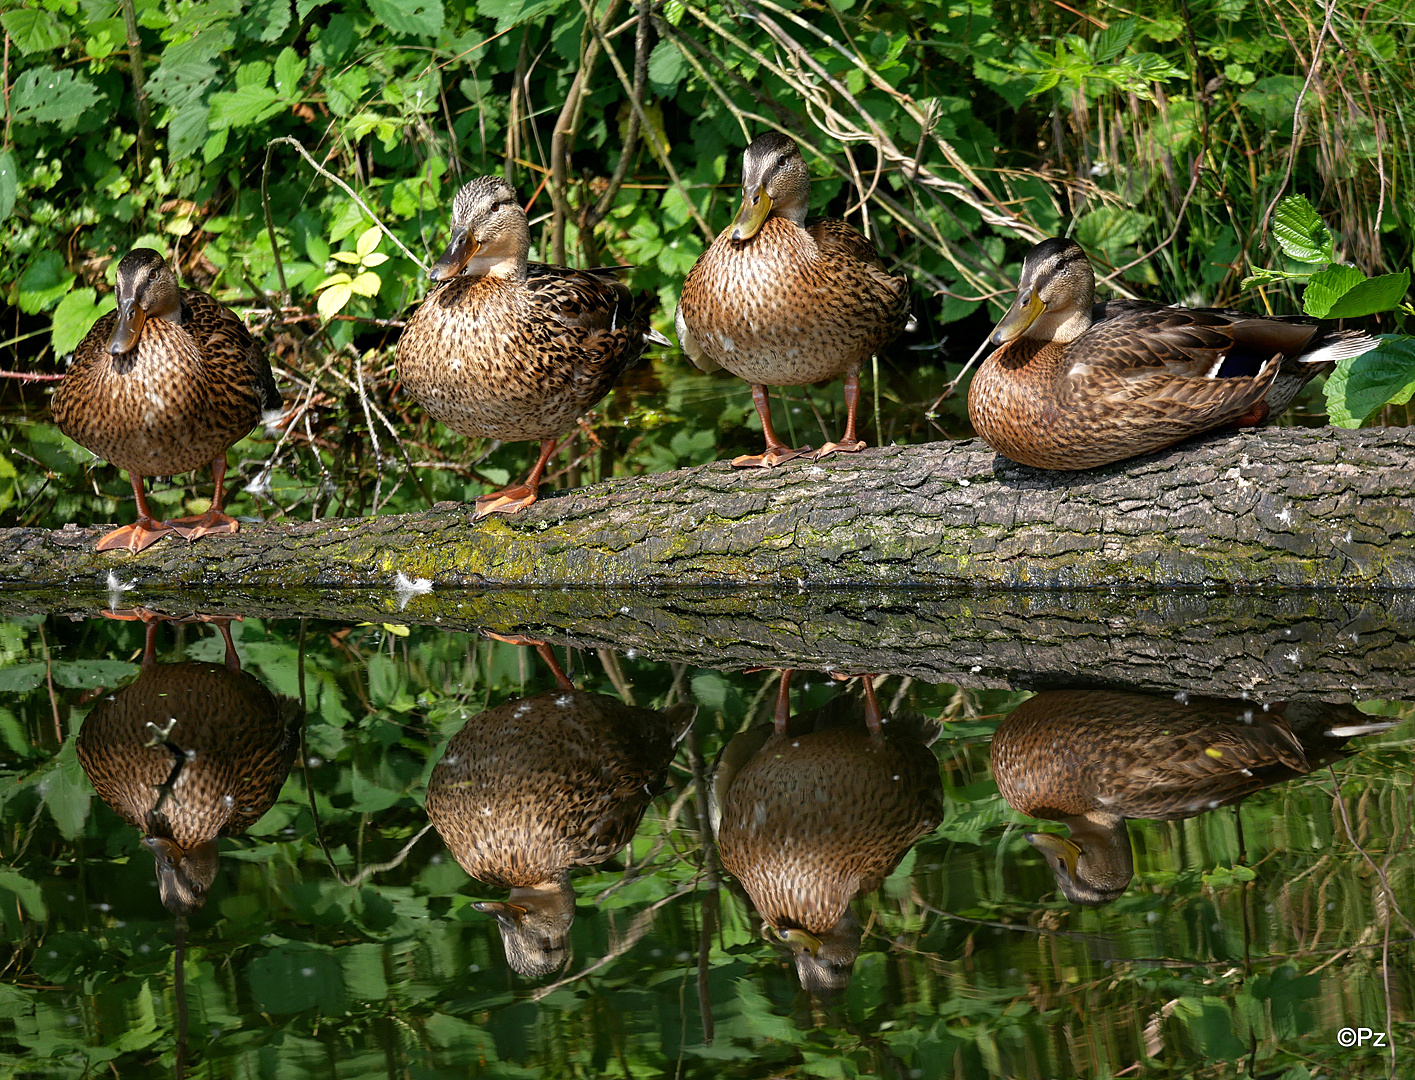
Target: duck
(781, 301)
(814, 810)
(538, 785)
(1094, 758)
(187, 753)
(164, 384)
(1069, 388)
(503, 348)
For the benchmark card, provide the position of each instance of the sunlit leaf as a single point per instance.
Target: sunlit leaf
(76, 313)
(1362, 384)
(421, 17)
(1300, 231)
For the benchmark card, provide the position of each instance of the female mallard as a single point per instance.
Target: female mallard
(782, 302)
(1092, 758)
(506, 349)
(540, 784)
(815, 810)
(1066, 391)
(187, 753)
(163, 385)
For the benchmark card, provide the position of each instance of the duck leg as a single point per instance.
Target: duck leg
(213, 521)
(546, 653)
(776, 451)
(510, 500)
(872, 717)
(142, 533)
(781, 719)
(848, 443)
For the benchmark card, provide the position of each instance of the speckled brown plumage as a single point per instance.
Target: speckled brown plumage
(780, 301)
(810, 819)
(1093, 758)
(506, 349)
(1064, 391)
(164, 385)
(228, 747)
(538, 785)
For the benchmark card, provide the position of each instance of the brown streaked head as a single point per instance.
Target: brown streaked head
(147, 289)
(1054, 295)
(490, 234)
(775, 180)
(1094, 865)
(535, 924)
(184, 876)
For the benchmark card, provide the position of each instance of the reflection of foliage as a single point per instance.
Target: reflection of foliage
(965, 971)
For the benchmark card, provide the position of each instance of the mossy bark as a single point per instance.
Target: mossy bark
(1273, 508)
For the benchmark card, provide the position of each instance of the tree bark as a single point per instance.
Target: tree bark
(1288, 508)
(1273, 646)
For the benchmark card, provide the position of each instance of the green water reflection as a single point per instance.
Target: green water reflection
(339, 937)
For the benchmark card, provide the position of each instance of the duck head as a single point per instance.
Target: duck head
(775, 180)
(490, 234)
(1054, 295)
(147, 289)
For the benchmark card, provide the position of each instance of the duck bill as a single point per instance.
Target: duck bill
(750, 219)
(1061, 853)
(130, 322)
(507, 914)
(800, 941)
(460, 249)
(1021, 315)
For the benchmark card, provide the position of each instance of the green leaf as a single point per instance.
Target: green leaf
(43, 95)
(179, 84)
(366, 284)
(34, 29)
(75, 315)
(21, 677)
(43, 283)
(667, 67)
(1109, 228)
(1112, 41)
(9, 184)
(246, 106)
(1373, 295)
(421, 17)
(1326, 288)
(367, 241)
(1362, 384)
(509, 13)
(1300, 231)
(289, 69)
(332, 300)
(66, 791)
(88, 674)
(27, 892)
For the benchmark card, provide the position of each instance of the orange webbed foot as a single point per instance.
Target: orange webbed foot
(843, 447)
(139, 536)
(769, 458)
(213, 521)
(509, 501)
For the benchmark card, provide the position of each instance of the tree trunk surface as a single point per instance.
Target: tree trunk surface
(1270, 646)
(1308, 508)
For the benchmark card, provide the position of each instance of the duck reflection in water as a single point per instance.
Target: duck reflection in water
(814, 810)
(540, 784)
(1092, 758)
(189, 752)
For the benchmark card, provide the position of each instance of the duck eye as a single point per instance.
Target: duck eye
(782, 160)
(152, 274)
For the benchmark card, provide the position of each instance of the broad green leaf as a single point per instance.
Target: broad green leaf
(1362, 384)
(9, 184)
(375, 258)
(333, 299)
(87, 674)
(366, 284)
(181, 84)
(43, 283)
(1299, 230)
(66, 791)
(245, 106)
(367, 241)
(1109, 228)
(43, 95)
(76, 313)
(21, 677)
(1373, 295)
(187, 129)
(1326, 288)
(26, 891)
(509, 13)
(667, 67)
(289, 70)
(349, 257)
(423, 18)
(34, 29)
(1112, 41)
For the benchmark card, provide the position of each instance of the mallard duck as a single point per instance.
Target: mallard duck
(187, 753)
(506, 349)
(1092, 758)
(780, 301)
(1064, 391)
(815, 810)
(163, 385)
(540, 784)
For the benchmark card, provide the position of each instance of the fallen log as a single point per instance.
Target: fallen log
(1271, 646)
(1305, 508)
